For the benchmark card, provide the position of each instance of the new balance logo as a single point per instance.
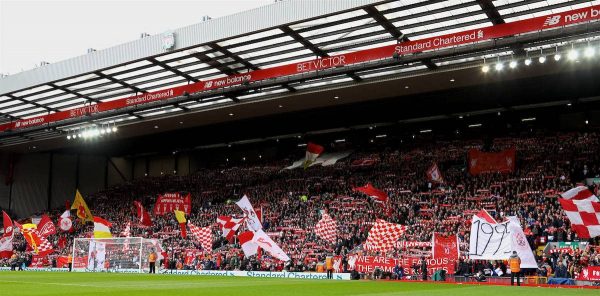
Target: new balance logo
(552, 20)
(208, 84)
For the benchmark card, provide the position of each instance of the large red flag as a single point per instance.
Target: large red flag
(38, 243)
(143, 216)
(6, 247)
(378, 195)
(46, 227)
(312, 152)
(445, 246)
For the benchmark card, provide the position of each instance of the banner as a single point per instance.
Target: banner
(445, 246)
(169, 202)
(369, 263)
(556, 20)
(6, 240)
(96, 255)
(520, 244)
(491, 162)
(489, 241)
(412, 244)
(38, 261)
(590, 273)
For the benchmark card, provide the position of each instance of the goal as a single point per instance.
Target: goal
(122, 254)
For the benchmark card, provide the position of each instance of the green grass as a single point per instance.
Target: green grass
(82, 284)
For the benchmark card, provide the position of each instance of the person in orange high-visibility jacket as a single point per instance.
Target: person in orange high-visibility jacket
(514, 263)
(329, 267)
(152, 260)
(70, 262)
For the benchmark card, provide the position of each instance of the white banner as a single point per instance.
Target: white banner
(489, 241)
(96, 255)
(325, 159)
(251, 218)
(520, 244)
(496, 241)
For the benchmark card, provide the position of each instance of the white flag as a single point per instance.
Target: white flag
(520, 244)
(252, 220)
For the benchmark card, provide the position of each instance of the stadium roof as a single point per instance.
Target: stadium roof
(280, 34)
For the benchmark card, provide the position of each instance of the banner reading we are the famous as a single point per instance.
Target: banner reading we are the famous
(370, 263)
(168, 202)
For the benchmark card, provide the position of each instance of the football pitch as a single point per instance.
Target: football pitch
(81, 284)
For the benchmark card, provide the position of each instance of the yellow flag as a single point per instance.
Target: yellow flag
(83, 212)
(180, 216)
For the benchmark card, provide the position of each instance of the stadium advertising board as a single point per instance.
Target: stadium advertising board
(385, 52)
(260, 274)
(590, 273)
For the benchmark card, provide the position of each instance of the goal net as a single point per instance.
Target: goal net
(122, 254)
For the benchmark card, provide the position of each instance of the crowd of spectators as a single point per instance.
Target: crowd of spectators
(546, 165)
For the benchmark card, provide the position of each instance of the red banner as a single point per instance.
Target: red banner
(38, 261)
(590, 273)
(78, 262)
(385, 52)
(370, 263)
(491, 162)
(412, 244)
(445, 246)
(169, 202)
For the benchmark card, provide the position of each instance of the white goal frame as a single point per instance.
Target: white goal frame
(132, 252)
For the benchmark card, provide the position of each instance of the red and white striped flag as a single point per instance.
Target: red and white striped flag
(312, 152)
(326, 228)
(579, 193)
(383, 236)
(229, 226)
(251, 240)
(202, 234)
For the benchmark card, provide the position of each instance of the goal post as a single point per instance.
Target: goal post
(120, 254)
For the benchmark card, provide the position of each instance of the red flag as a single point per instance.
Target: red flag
(373, 192)
(483, 214)
(38, 243)
(434, 174)
(229, 226)
(445, 246)
(6, 241)
(142, 214)
(312, 152)
(46, 227)
(204, 235)
(65, 222)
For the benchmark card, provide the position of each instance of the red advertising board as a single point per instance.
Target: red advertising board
(590, 273)
(78, 262)
(491, 162)
(385, 52)
(39, 261)
(169, 202)
(368, 264)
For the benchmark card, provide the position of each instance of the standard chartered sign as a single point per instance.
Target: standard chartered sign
(261, 274)
(238, 273)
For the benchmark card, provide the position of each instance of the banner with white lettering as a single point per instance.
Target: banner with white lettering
(168, 202)
(370, 263)
(590, 273)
